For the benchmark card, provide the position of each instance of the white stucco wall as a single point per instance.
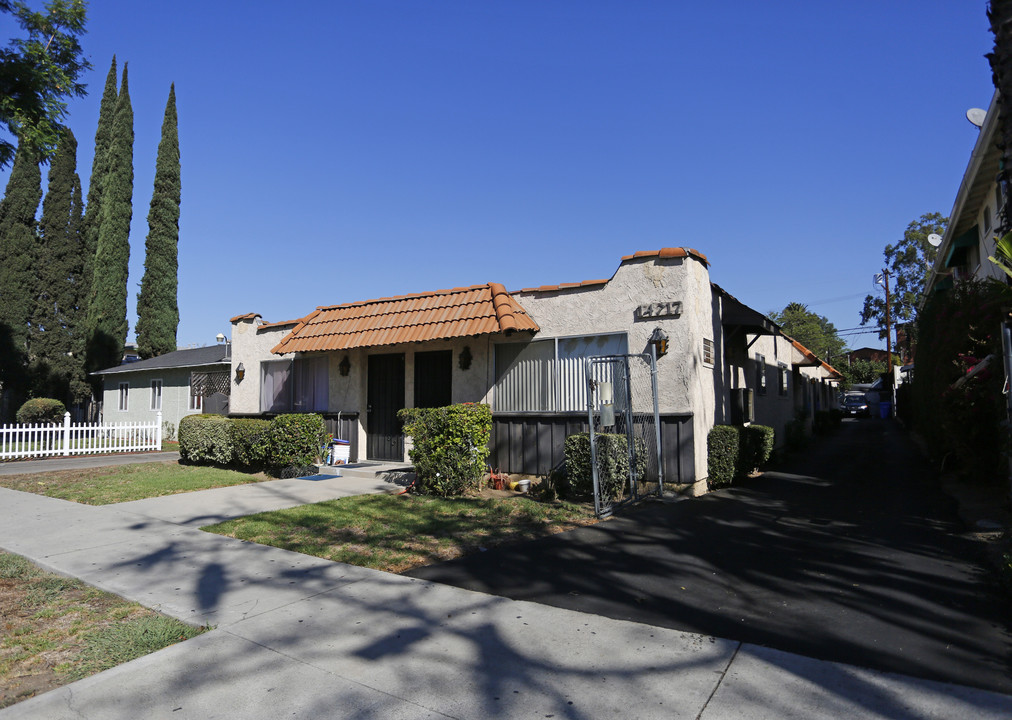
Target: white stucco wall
(251, 346)
(684, 384)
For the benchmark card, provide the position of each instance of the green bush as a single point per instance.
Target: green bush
(612, 463)
(295, 440)
(795, 434)
(41, 410)
(758, 446)
(734, 451)
(449, 446)
(250, 440)
(205, 439)
(723, 449)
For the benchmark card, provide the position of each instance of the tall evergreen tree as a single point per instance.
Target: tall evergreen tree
(89, 228)
(55, 361)
(17, 277)
(107, 305)
(157, 307)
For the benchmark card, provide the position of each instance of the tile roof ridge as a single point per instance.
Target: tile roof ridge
(668, 252)
(503, 304)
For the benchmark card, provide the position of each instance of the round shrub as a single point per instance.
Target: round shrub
(295, 440)
(449, 446)
(41, 410)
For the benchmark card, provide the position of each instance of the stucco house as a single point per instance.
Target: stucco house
(969, 237)
(176, 383)
(522, 353)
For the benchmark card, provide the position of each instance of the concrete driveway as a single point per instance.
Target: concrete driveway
(848, 553)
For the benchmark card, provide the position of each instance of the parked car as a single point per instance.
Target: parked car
(855, 406)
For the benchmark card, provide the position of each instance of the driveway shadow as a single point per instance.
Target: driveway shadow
(849, 553)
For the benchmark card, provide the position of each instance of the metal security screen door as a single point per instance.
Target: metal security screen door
(622, 401)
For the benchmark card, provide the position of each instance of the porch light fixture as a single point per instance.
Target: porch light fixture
(464, 359)
(659, 339)
(345, 367)
(240, 373)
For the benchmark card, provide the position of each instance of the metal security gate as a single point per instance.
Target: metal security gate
(622, 401)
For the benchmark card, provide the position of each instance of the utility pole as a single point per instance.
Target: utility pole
(889, 327)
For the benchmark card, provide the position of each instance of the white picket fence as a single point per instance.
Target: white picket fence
(25, 441)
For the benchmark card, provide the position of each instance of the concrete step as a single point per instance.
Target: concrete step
(394, 472)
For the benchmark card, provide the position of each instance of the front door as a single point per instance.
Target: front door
(385, 440)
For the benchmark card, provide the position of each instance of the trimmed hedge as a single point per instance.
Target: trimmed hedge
(723, 448)
(279, 445)
(759, 441)
(733, 451)
(295, 440)
(205, 439)
(449, 446)
(612, 463)
(251, 442)
(41, 410)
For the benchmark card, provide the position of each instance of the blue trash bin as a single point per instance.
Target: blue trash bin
(885, 409)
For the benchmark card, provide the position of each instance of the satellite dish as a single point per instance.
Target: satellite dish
(976, 116)
(935, 239)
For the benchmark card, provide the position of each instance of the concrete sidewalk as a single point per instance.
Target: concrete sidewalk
(79, 462)
(297, 636)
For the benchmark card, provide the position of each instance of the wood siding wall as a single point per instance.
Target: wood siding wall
(534, 444)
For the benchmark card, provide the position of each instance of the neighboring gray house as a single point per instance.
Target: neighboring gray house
(522, 353)
(177, 383)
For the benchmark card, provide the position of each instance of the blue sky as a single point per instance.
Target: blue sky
(346, 150)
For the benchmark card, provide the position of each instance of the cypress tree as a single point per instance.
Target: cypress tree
(89, 227)
(17, 277)
(107, 320)
(55, 360)
(157, 307)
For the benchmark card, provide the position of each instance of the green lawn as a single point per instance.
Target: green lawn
(54, 630)
(399, 532)
(105, 485)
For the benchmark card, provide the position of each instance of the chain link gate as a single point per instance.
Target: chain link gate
(622, 401)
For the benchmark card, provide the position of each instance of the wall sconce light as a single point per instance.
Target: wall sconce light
(659, 339)
(464, 360)
(240, 373)
(345, 367)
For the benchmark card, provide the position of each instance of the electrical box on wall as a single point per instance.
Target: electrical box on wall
(742, 406)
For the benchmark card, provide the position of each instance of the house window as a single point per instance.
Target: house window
(300, 385)
(760, 366)
(124, 395)
(196, 401)
(549, 375)
(708, 352)
(784, 373)
(987, 223)
(156, 394)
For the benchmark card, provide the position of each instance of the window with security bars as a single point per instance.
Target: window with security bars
(156, 394)
(760, 367)
(784, 375)
(549, 375)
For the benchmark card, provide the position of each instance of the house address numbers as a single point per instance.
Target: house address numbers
(659, 309)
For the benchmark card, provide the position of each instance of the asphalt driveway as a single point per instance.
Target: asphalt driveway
(848, 553)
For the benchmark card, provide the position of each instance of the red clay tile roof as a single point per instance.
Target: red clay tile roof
(668, 253)
(443, 314)
(565, 286)
(247, 316)
(270, 325)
